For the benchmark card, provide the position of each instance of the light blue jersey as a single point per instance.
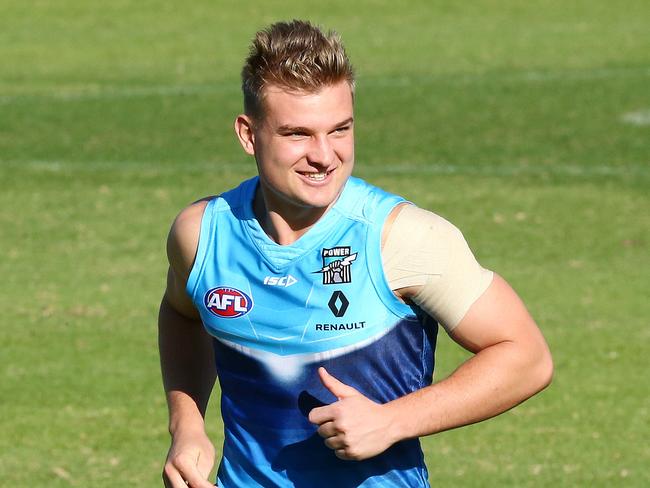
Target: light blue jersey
(277, 313)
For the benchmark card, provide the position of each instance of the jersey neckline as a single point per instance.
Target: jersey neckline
(279, 255)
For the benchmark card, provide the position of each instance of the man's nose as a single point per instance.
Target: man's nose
(321, 151)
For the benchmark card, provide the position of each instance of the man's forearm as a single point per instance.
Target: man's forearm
(489, 383)
(187, 364)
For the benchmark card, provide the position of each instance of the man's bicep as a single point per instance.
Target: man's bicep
(178, 298)
(498, 315)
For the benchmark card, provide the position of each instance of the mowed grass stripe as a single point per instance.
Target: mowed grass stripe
(11, 93)
(389, 168)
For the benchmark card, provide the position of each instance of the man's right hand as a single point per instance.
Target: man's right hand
(189, 462)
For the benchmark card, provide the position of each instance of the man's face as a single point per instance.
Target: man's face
(304, 147)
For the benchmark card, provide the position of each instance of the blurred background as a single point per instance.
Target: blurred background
(527, 124)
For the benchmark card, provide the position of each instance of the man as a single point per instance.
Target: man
(316, 298)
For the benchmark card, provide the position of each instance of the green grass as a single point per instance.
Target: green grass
(507, 118)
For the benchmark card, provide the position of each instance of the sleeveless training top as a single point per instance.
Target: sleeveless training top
(277, 313)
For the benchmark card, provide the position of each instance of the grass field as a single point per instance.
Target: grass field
(525, 123)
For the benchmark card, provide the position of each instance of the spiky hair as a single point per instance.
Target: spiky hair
(295, 56)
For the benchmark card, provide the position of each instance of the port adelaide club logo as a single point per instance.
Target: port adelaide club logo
(336, 265)
(227, 303)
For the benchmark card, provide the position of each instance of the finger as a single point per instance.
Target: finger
(172, 478)
(341, 454)
(335, 443)
(327, 429)
(194, 479)
(338, 388)
(320, 415)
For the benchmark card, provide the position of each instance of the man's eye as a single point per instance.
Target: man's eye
(343, 129)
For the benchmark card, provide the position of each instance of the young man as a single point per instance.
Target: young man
(316, 298)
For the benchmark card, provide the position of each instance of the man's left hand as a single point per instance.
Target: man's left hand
(354, 426)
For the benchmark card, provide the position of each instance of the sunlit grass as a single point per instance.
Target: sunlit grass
(507, 119)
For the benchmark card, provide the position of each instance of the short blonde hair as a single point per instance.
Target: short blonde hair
(296, 56)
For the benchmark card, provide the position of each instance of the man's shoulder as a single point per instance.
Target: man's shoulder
(366, 201)
(239, 196)
(188, 219)
(361, 186)
(415, 216)
(183, 238)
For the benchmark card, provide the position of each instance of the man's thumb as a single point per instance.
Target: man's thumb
(338, 389)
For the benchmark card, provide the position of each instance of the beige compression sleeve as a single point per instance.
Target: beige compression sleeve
(423, 249)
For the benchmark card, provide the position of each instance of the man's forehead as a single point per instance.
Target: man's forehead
(283, 106)
(279, 90)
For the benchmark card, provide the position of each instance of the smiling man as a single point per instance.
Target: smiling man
(303, 143)
(316, 298)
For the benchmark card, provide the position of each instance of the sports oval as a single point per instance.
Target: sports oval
(228, 303)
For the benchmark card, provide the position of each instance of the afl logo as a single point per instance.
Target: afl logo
(228, 303)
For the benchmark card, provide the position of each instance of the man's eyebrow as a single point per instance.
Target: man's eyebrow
(292, 128)
(347, 121)
(297, 128)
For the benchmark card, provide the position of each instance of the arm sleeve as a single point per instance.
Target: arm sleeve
(423, 249)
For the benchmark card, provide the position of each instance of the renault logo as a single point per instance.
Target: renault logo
(338, 303)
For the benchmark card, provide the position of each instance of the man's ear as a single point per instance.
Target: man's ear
(245, 134)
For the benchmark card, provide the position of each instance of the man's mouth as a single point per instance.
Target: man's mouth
(320, 176)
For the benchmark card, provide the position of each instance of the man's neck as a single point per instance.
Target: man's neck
(284, 223)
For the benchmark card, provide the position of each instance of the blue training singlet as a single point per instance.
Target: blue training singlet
(277, 313)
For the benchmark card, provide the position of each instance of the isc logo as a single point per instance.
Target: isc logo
(285, 281)
(228, 303)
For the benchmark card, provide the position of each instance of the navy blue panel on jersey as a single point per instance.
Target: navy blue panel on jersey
(278, 313)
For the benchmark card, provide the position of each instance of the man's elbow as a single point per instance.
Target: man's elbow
(543, 368)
